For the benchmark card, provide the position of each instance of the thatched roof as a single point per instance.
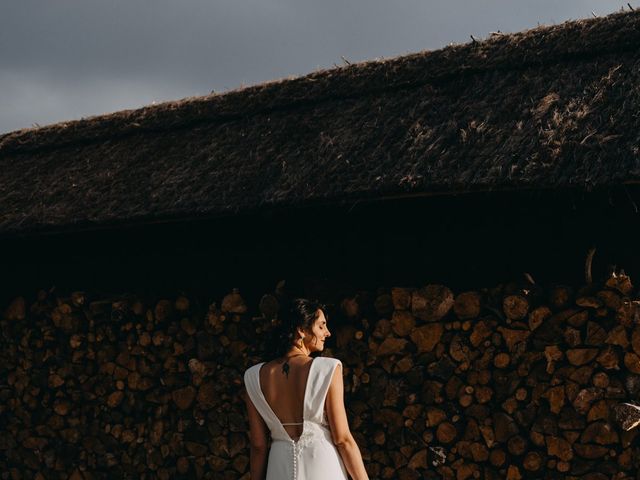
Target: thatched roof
(554, 107)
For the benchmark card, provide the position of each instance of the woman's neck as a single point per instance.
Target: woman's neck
(297, 351)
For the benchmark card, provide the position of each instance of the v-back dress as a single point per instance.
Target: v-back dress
(313, 456)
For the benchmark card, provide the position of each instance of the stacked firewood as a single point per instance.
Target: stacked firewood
(122, 388)
(517, 381)
(514, 382)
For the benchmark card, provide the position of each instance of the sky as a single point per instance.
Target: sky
(68, 59)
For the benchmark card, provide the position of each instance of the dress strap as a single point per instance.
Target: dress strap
(319, 387)
(294, 423)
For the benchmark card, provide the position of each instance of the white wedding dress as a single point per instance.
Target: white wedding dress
(313, 456)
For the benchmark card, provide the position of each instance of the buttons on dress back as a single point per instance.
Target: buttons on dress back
(295, 460)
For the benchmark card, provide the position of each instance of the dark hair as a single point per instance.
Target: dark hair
(299, 313)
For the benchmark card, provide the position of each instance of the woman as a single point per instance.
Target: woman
(299, 399)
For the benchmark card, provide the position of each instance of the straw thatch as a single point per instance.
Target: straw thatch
(553, 107)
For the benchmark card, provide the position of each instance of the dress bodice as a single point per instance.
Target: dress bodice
(313, 456)
(317, 386)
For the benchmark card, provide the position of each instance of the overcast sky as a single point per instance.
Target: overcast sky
(67, 59)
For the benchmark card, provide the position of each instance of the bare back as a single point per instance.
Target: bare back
(285, 395)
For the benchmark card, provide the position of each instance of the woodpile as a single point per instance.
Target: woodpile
(122, 388)
(514, 382)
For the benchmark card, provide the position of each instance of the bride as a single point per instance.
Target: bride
(299, 401)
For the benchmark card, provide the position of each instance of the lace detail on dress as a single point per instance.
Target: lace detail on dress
(308, 437)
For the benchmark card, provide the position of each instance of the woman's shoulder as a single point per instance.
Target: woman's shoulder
(254, 366)
(329, 361)
(251, 369)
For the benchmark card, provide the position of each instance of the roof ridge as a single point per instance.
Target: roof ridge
(591, 37)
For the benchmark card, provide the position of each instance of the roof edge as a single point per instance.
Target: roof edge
(350, 201)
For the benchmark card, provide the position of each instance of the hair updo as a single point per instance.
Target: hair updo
(299, 313)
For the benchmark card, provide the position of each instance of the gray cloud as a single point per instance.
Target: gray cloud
(72, 58)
